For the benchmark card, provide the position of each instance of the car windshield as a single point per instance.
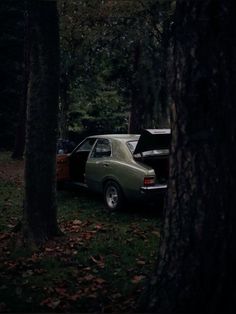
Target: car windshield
(132, 145)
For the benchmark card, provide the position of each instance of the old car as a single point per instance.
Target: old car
(121, 166)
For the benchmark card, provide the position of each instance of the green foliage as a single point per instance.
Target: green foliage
(102, 111)
(99, 41)
(98, 64)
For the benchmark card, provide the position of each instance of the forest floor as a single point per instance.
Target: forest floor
(101, 264)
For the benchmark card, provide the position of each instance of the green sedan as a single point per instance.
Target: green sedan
(121, 166)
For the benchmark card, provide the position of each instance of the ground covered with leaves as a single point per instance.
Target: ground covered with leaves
(99, 265)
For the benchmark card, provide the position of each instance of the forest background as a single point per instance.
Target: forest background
(129, 57)
(113, 68)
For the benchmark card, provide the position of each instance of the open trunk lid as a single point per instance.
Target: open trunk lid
(153, 140)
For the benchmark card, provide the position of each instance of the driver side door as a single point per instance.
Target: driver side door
(99, 164)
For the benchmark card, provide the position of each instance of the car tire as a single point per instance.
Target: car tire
(113, 196)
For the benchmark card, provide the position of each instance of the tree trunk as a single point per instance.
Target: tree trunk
(19, 146)
(40, 208)
(197, 256)
(64, 106)
(163, 110)
(137, 109)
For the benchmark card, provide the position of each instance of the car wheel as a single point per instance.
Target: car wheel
(113, 196)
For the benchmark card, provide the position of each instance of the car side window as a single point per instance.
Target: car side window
(101, 149)
(86, 145)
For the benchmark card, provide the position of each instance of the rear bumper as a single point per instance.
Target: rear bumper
(153, 192)
(155, 188)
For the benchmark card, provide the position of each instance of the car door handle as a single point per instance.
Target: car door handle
(105, 164)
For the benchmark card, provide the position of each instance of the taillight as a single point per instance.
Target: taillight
(148, 181)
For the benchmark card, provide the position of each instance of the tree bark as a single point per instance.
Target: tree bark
(19, 146)
(197, 255)
(40, 208)
(64, 106)
(136, 111)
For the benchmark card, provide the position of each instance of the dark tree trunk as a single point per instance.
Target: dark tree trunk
(40, 186)
(137, 109)
(163, 115)
(64, 106)
(136, 115)
(197, 257)
(19, 146)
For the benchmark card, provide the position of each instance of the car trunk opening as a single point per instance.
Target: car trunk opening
(160, 165)
(152, 149)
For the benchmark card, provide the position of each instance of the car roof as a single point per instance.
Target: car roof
(121, 137)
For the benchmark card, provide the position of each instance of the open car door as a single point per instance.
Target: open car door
(63, 171)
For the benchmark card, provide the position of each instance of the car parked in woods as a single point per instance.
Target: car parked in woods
(121, 166)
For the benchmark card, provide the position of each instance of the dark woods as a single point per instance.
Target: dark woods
(122, 67)
(12, 16)
(113, 66)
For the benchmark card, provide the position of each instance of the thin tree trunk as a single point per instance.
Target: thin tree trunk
(197, 256)
(64, 106)
(137, 110)
(19, 146)
(163, 115)
(40, 208)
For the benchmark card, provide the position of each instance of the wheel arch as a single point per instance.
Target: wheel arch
(110, 178)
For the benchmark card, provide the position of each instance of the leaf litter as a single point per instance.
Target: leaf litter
(65, 274)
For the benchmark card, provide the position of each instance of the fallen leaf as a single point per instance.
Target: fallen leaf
(141, 262)
(137, 279)
(61, 291)
(4, 236)
(157, 233)
(10, 226)
(74, 297)
(47, 249)
(100, 262)
(100, 281)
(27, 273)
(92, 295)
(52, 303)
(116, 295)
(98, 226)
(88, 277)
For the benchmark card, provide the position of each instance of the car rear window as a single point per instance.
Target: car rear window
(132, 145)
(156, 152)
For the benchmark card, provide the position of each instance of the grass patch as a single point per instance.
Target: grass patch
(99, 265)
(11, 200)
